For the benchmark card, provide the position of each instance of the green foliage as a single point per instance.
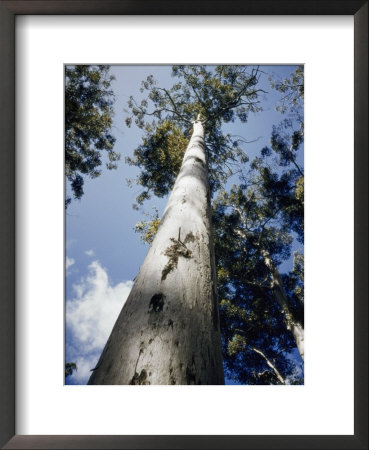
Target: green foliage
(256, 217)
(220, 96)
(292, 89)
(299, 191)
(70, 367)
(236, 344)
(282, 179)
(148, 228)
(298, 274)
(88, 120)
(286, 141)
(248, 324)
(294, 286)
(160, 157)
(246, 223)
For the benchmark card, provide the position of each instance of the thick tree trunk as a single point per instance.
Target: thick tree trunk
(168, 330)
(293, 325)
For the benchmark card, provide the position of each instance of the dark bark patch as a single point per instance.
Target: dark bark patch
(140, 379)
(172, 378)
(191, 373)
(195, 158)
(170, 323)
(198, 160)
(189, 238)
(173, 252)
(208, 197)
(156, 303)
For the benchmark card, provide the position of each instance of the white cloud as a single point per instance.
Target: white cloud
(89, 252)
(90, 317)
(68, 262)
(69, 243)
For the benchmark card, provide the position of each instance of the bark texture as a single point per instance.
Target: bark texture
(168, 330)
(292, 324)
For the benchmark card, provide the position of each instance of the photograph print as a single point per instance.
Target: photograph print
(184, 224)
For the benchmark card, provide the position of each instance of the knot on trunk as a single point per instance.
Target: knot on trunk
(156, 303)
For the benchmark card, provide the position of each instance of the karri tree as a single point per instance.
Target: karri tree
(168, 331)
(88, 120)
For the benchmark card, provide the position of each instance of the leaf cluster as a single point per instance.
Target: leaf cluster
(220, 95)
(258, 217)
(292, 89)
(70, 367)
(88, 121)
(160, 154)
(149, 227)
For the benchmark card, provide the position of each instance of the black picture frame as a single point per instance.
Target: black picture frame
(8, 12)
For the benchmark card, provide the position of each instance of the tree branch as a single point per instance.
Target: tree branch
(174, 105)
(270, 364)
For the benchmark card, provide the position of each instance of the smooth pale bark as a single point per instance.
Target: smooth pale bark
(270, 364)
(292, 324)
(168, 331)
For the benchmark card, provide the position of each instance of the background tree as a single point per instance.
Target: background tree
(251, 242)
(255, 225)
(287, 142)
(88, 121)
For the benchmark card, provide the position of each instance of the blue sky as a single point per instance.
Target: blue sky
(103, 253)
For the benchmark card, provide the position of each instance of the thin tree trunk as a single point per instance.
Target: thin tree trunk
(168, 331)
(296, 328)
(270, 364)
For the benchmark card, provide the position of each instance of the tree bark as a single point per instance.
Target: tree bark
(292, 324)
(168, 330)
